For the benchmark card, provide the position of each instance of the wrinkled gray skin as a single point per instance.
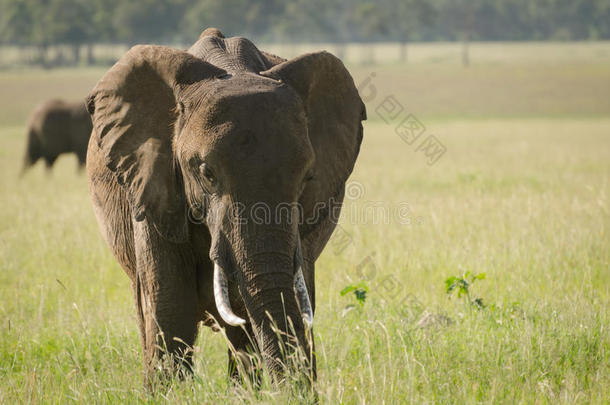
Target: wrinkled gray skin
(181, 137)
(57, 127)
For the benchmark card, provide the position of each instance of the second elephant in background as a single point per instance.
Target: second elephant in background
(56, 127)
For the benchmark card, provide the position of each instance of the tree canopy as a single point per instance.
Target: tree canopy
(75, 22)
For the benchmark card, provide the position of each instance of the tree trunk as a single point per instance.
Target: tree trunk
(403, 50)
(41, 57)
(90, 57)
(76, 54)
(465, 51)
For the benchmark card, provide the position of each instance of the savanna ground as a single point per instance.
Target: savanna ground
(521, 194)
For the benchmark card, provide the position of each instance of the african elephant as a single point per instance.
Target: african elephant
(216, 176)
(57, 127)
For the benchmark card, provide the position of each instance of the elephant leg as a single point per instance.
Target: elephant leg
(81, 162)
(49, 161)
(166, 300)
(241, 356)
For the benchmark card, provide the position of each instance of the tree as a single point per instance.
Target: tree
(229, 16)
(16, 22)
(459, 17)
(407, 18)
(44, 23)
(148, 20)
(70, 22)
(104, 21)
(305, 20)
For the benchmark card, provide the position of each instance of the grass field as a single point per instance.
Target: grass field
(521, 194)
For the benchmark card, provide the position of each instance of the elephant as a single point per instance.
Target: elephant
(216, 175)
(56, 127)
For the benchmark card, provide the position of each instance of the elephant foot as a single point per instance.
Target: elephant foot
(161, 371)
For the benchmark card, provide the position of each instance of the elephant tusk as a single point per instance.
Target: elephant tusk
(221, 296)
(302, 296)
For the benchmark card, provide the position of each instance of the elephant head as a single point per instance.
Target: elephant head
(254, 152)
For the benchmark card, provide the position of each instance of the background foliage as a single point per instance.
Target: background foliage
(47, 22)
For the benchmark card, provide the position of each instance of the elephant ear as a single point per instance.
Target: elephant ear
(334, 113)
(133, 109)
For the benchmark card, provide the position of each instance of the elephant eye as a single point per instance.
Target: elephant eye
(207, 174)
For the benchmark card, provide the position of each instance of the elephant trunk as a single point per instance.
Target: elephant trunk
(274, 294)
(267, 287)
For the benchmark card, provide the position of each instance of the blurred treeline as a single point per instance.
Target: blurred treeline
(78, 24)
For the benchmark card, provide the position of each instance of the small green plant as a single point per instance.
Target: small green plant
(461, 285)
(360, 291)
